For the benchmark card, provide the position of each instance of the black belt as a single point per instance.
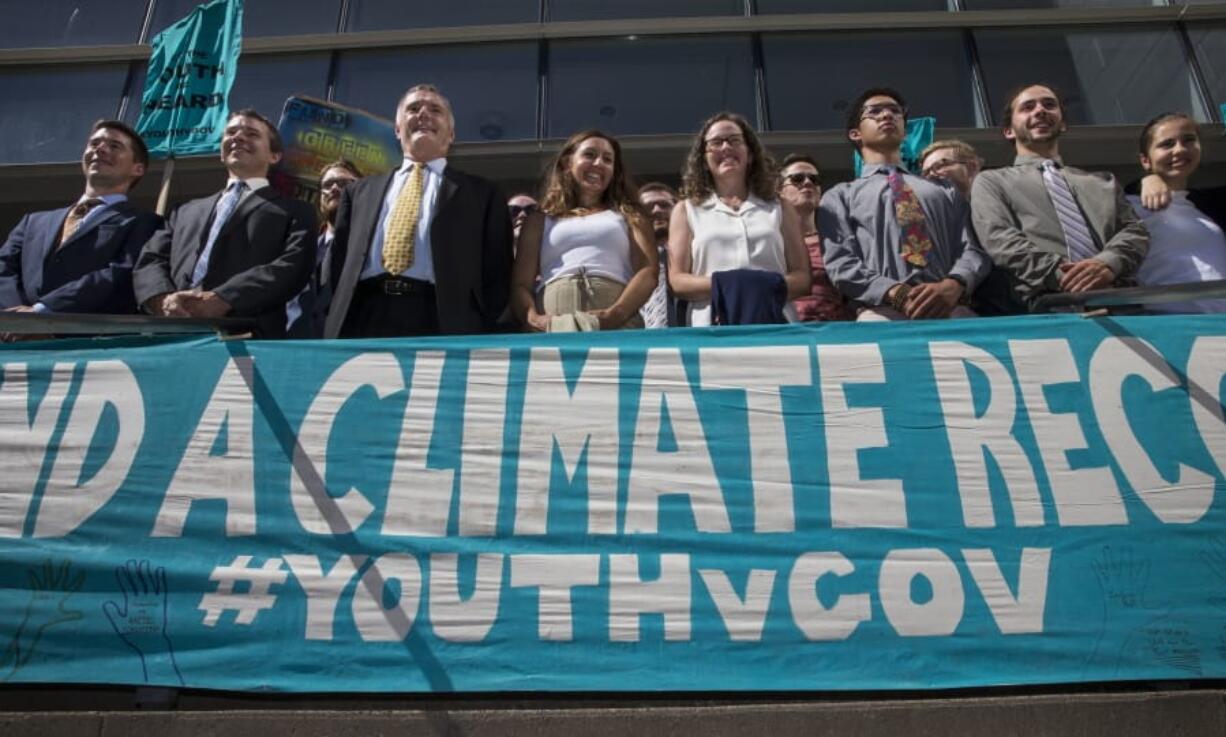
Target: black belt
(396, 286)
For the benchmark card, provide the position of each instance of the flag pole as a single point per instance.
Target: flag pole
(164, 195)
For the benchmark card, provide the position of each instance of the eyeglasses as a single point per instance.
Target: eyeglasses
(517, 210)
(940, 166)
(876, 111)
(335, 183)
(714, 144)
(801, 177)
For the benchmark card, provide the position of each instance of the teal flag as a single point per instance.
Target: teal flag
(919, 135)
(191, 70)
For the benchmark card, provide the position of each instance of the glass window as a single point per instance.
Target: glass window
(647, 85)
(1004, 4)
(492, 87)
(766, 7)
(812, 78)
(377, 15)
(1209, 41)
(48, 110)
(263, 82)
(72, 23)
(262, 17)
(563, 10)
(1107, 76)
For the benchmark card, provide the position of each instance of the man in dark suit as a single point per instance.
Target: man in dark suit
(79, 258)
(424, 250)
(243, 252)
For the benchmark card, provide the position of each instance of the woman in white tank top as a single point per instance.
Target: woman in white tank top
(587, 260)
(731, 218)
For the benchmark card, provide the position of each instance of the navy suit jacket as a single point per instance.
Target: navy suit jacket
(262, 258)
(91, 272)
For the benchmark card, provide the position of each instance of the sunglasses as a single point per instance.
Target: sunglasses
(338, 183)
(517, 210)
(800, 178)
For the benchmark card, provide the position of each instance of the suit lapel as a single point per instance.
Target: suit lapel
(44, 242)
(446, 192)
(250, 204)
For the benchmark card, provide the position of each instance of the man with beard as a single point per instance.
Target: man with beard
(897, 245)
(305, 314)
(658, 199)
(1050, 227)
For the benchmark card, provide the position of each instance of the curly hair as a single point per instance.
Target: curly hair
(696, 181)
(561, 194)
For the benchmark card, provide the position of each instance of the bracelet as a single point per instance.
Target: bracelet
(899, 300)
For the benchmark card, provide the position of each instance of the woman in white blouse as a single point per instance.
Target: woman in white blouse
(587, 259)
(731, 218)
(1185, 244)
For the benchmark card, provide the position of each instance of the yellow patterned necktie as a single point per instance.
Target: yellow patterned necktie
(402, 228)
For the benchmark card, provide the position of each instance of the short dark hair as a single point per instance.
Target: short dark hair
(139, 150)
(659, 187)
(798, 159)
(274, 137)
(856, 109)
(1147, 132)
(1006, 118)
(341, 163)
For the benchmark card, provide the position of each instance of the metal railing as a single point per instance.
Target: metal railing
(1133, 296)
(63, 324)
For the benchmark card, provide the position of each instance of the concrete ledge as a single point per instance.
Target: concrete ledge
(1153, 714)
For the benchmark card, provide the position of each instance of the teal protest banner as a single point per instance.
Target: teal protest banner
(896, 506)
(187, 86)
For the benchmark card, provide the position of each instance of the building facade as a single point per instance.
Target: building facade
(522, 74)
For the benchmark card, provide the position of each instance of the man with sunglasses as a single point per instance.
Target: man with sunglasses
(307, 312)
(520, 206)
(1050, 227)
(800, 185)
(953, 160)
(898, 245)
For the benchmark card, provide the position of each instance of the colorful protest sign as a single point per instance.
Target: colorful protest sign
(187, 86)
(929, 505)
(316, 133)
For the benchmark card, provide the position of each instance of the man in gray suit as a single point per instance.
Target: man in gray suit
(1050, 227)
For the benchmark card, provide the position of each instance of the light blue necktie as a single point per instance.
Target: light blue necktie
(225, 208)
(1077, 234)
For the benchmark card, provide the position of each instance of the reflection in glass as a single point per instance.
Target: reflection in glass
(1209, 42)
(647, 85)
(262, 17)
(58, 106)
(71, 23)
(492, 87)
(1108, 77)
(263, 83)
(564, 10)
(811, 78)
(374, 15)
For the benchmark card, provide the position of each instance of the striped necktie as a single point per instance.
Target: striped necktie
(402, 224)
(76, 216)
(1077, 236)
(225, 208)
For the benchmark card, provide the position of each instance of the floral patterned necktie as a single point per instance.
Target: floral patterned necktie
(915, 241)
